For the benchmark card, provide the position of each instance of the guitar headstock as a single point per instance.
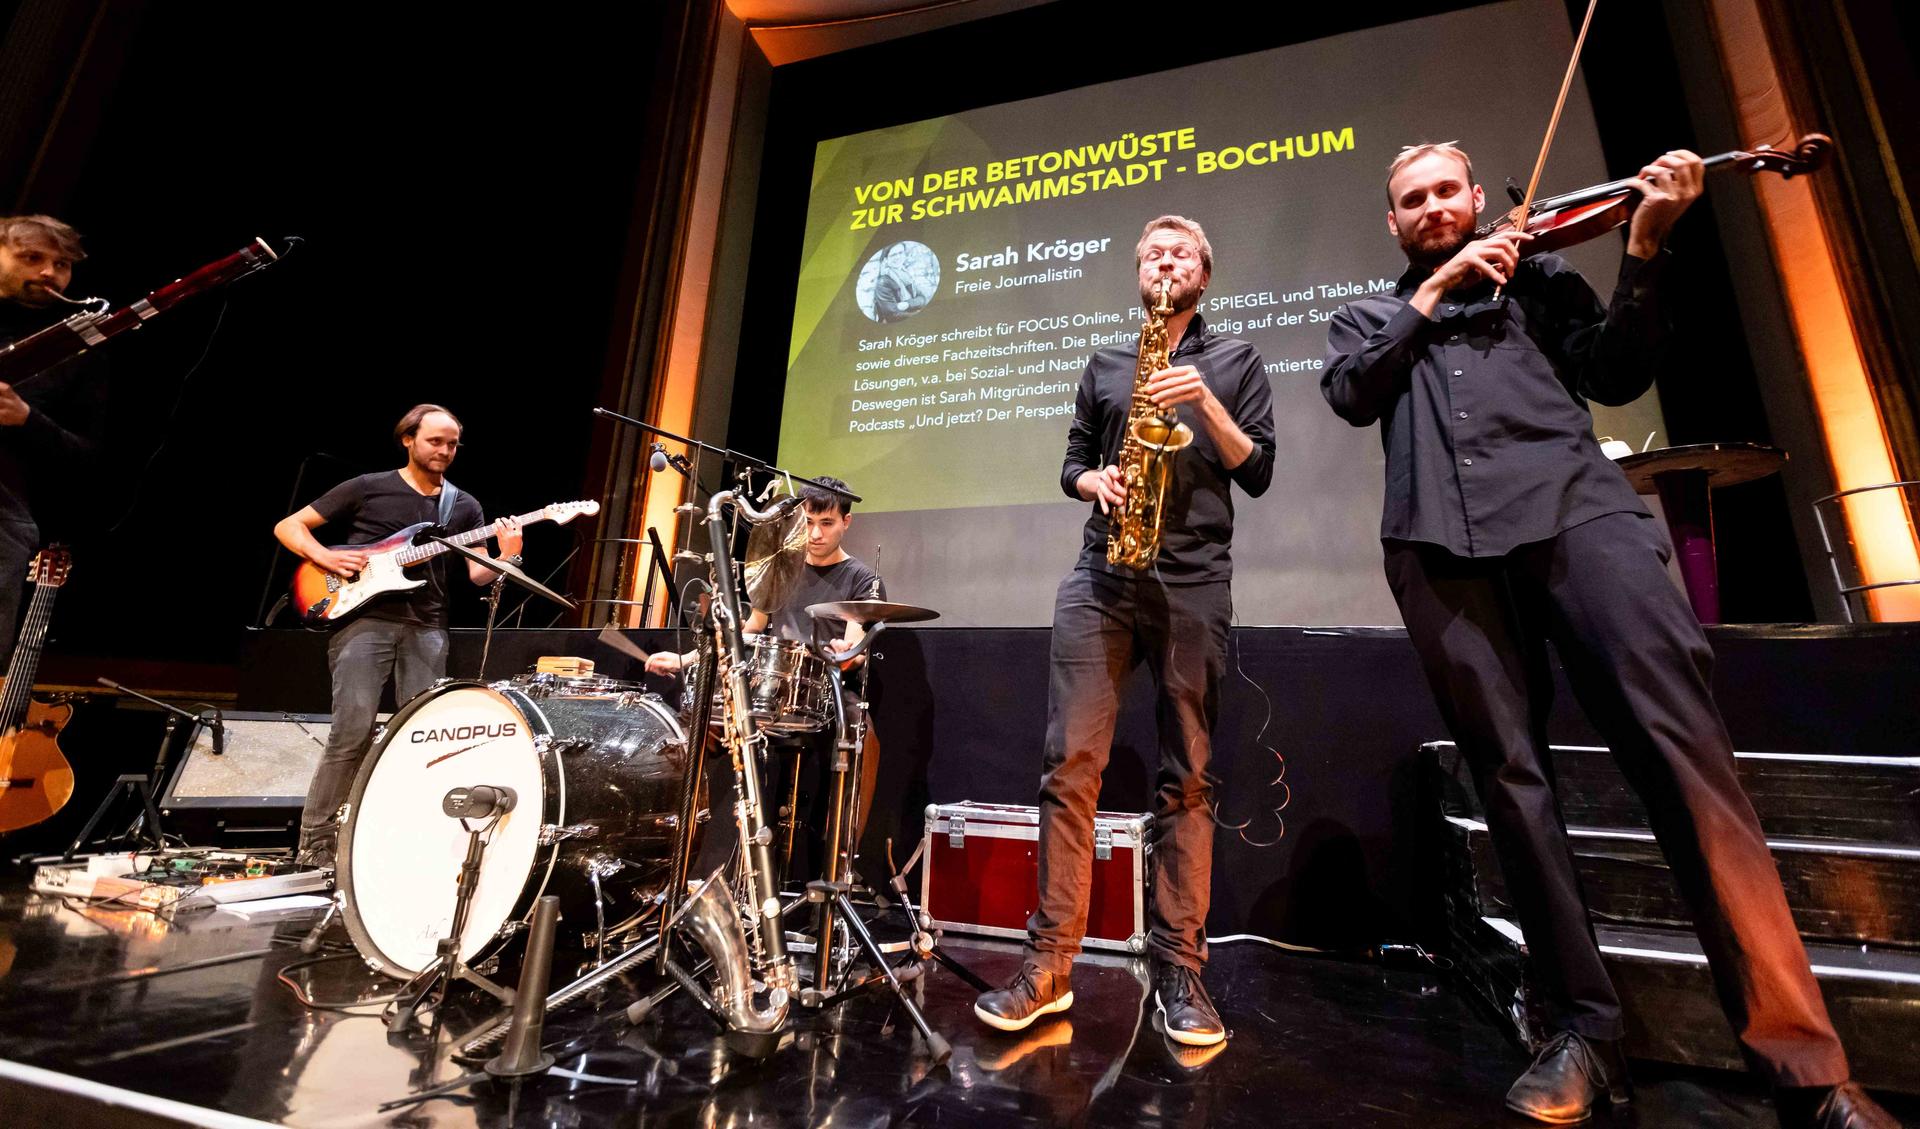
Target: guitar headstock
(50, 566)
(1810, 154)
(560, 513)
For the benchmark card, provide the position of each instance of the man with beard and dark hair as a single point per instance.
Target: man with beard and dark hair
(1505, 528)
(402, 635)
(48, 420)
(1108, 618)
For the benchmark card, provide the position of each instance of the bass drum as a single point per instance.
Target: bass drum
(596, 769)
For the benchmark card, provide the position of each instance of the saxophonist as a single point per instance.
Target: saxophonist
(1172, 614)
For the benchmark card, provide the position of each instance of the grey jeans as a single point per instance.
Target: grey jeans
(362, 656)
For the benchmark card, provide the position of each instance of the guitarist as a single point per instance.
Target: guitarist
(402, 635)
(49, 423)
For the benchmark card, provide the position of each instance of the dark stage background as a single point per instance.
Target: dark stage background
(472, 193)
(465, 188)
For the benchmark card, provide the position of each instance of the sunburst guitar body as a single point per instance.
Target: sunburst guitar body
(320, 597)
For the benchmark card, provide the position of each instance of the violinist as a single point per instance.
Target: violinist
(1505, 527)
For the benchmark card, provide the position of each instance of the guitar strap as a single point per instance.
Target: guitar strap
(449, 495)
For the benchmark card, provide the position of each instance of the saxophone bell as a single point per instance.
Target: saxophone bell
(1162, 432)
(712, 921)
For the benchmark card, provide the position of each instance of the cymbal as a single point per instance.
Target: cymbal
(776, 553)
(871, 611)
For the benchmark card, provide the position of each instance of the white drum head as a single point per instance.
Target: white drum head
(401, 854)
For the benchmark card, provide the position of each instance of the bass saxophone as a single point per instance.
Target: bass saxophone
(1154, 435)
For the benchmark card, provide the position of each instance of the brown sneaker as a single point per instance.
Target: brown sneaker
(1032, 993)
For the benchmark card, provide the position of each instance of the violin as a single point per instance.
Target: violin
(1574, 217)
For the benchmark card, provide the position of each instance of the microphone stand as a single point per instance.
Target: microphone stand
(146, 821)
(724, 452)
(746, 461)
(433, 981)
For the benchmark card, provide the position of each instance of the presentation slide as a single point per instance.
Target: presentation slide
(957, 273)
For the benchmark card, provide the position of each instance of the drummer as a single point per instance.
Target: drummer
(831, 575)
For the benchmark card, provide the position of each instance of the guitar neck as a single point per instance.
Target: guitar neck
(417, 553)
(26, 659)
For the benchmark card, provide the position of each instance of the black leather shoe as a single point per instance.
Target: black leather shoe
(1182, 1009)
(1568, 1075)
(1032, 993)
(1846, 1106)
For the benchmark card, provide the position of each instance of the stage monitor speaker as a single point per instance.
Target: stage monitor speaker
(250, 795)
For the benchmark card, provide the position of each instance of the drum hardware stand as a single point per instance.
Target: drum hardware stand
(493, 613)
(503, 571)
(926, 939)
(848, 748)
(830, 894)
(832, 898)
(437, 978)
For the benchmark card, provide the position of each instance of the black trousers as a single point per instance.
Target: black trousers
(1640, 667)
(1103, 627)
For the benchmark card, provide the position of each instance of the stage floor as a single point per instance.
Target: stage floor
(193, 1011)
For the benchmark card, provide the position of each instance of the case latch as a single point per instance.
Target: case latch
(1103, 842)
(957, 832)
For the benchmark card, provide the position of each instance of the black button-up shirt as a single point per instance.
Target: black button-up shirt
(44, 462)
(1483, 407)
(1197, 532)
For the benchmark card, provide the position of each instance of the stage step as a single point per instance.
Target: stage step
(1845, 835)
(1847, 799)
(1858, 893)
(1673, 1015)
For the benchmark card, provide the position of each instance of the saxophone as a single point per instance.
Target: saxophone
(1153, 437)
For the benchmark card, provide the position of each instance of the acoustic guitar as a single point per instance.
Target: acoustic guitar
(35, 779)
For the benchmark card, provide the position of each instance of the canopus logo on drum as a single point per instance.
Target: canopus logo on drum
(465, 732)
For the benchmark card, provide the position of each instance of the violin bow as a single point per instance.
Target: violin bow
(1520, 213)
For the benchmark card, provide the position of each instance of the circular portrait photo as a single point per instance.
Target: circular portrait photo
(897, 282)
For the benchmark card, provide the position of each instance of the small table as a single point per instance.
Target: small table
(1684, 477)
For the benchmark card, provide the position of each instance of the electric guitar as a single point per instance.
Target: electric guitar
(35, 779)
(321, 597)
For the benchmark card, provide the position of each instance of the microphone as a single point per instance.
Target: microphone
(482, 801)
(661, 459)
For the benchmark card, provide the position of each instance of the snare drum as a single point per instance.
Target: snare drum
(596, 771)
(789, 687)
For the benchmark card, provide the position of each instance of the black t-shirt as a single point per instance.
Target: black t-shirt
(383, 503)
(851, 579)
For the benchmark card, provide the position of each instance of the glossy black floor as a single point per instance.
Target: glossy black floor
(193, 1011)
